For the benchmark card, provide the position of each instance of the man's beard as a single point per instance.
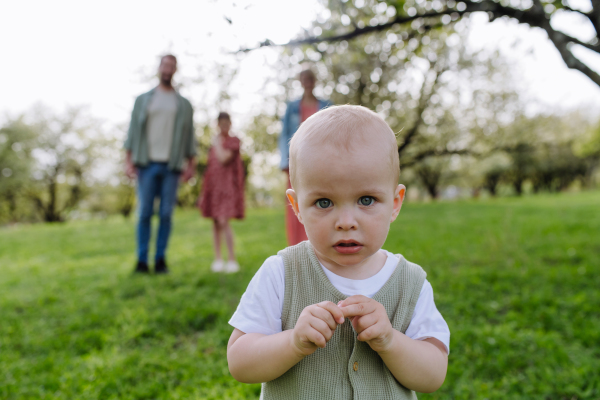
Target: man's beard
(166, 80)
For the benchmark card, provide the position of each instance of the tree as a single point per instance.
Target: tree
(491, 180)
(16, 141)
(356, 20)
(588, 147)
(266, 186)
(438, 96)
(430, 173)
(65, 151)
(538, 150)
(523, 165)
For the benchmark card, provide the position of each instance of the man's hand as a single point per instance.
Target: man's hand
(130, 169)
(315, 327)
(370, 321)
(190, 170)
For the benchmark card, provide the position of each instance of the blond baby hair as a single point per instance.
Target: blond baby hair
(346, 127)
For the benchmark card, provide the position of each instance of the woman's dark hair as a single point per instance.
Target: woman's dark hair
(224, 115)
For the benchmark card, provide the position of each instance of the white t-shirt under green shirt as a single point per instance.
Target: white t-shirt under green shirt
(162, 110)
(261, 305)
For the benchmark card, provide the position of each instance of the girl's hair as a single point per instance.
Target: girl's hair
(224, 115)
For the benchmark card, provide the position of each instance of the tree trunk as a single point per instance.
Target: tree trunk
(518, 186)
(430, 177)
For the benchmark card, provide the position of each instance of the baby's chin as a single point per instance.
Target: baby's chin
(358, 259)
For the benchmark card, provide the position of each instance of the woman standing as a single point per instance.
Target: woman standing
(222, 196)
(297, 112)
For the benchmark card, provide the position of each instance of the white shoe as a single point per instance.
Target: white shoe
(217, 266)
(231, 267)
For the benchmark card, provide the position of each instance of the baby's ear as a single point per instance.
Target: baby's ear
(399, 193)
(293, 198)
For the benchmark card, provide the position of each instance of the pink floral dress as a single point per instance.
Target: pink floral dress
(222, 194)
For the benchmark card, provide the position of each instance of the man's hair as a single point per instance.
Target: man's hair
(347, 127)
(168, 56)
(224, 115)
(308, 71)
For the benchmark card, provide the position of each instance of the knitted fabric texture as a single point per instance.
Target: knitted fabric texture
(346, 368)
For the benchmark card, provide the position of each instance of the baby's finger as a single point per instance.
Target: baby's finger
(359, 298)
(364, 322)
(316, 337)
(324, 315)
(334, 310)
(357, 309)
(322, 327)
(368, 334)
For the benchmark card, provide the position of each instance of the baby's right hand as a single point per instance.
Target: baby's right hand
(315, 326)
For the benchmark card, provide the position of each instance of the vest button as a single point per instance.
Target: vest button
(355, 366)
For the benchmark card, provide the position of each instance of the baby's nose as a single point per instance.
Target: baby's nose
(346, 221)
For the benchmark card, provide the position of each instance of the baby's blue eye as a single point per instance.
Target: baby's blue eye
(366, 201)
(323, 203)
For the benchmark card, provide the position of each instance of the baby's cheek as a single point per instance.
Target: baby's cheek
(314, 228)
(379, 228)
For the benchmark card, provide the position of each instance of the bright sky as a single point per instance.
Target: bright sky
(97, 53)
(541, 70)
(73, 52)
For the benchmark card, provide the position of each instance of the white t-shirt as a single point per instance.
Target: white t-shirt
(162, 111)
(261, 305)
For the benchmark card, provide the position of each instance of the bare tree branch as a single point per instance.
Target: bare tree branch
(562, 42)
(524, 16)
(423, 104)
(354, 33)
(595, 15)
(535, 16)
(572, 61)
(577, 11)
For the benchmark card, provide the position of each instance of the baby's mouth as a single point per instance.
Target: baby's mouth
(348, 246)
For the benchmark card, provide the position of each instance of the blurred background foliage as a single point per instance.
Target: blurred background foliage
(464, 126)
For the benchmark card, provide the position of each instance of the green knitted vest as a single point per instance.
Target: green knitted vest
(346, 368)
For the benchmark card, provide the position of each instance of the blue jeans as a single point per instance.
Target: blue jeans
(155, 180)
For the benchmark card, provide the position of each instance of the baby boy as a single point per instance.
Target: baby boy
(338, 317)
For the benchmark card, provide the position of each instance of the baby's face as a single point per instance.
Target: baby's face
(346, 201)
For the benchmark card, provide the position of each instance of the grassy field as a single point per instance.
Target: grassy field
(516, 279)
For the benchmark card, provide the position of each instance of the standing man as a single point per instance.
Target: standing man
(160, 150)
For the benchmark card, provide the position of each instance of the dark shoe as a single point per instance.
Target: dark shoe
(161, 267)
(141, 268)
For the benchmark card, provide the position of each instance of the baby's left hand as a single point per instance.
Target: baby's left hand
(369, 320)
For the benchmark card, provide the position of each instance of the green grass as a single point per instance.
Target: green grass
(516, 279)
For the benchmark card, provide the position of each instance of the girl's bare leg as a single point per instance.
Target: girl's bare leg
(229, 240)
(217, 239)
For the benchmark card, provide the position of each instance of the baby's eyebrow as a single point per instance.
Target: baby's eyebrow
(318, 194)
(370, 191)
(360, 193)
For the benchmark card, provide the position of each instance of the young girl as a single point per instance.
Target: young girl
(222, 196)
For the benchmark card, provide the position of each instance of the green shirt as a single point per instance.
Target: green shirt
(183, 144)
(346, 368)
